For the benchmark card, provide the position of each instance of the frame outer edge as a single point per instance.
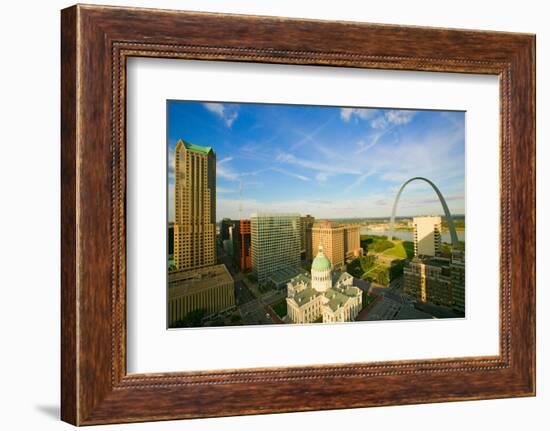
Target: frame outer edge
(533, 55)
(87, 396)
(527, 64)
(532, 82)
(69, 195)
(523, 216)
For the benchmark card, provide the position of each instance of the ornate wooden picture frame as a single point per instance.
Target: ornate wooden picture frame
(96, 41)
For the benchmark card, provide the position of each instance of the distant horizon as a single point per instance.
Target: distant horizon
(357, 218)
(330, 162)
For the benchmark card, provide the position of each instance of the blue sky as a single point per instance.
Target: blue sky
(330, 162)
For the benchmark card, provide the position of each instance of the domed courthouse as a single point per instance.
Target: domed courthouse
(325, 296)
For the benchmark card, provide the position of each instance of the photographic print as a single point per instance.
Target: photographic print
(294, 214)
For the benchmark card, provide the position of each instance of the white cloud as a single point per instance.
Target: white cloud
(392, 118)
(400, 117)
(322, 167)
(290, 174)
(225, 160)
(308, 136)
(228, 173)
(373, 139)
(359, 180)
(224, 190)
(379, 122)
(380, 118)
(225, 112)
(347, 114)
(224, 171)
(322, 177)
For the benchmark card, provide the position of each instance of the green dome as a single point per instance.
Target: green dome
(321, 262)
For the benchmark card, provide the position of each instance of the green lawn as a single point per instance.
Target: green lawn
(378, 273)
(401, 250)
(373, 269)
(280, 308)
(377, 268)
(358, 266)
(379, 245)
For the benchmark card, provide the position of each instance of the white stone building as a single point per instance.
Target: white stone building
(324, 296)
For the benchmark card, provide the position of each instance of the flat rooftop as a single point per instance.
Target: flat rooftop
(336, 299)
(304, 296)
(184, 282)
(283, 275)
(273, 215)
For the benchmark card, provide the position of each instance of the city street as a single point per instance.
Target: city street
(254, 313)
(253, 310)
(243, 294)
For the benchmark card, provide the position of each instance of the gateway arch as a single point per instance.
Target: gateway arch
(450, 222)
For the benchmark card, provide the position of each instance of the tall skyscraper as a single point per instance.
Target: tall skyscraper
(244, 252)
(228, 235)
(427, 235)
(275, 243)
(331, 237)
(224, 228)
(195, 206)
(306, 222)
(352, 241)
